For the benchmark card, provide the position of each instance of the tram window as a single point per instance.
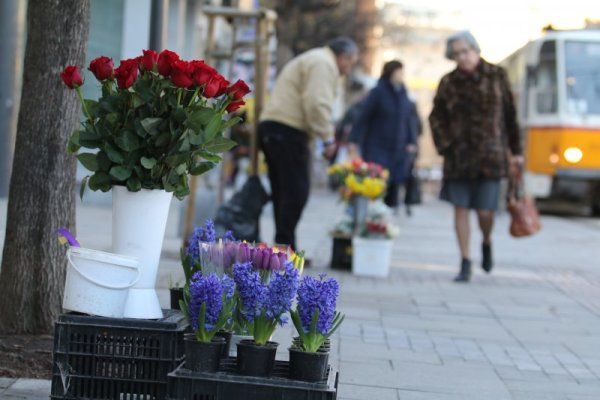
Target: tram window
(546, 93)
(582, 61)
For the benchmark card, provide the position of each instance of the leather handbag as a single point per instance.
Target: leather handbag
(525, 218)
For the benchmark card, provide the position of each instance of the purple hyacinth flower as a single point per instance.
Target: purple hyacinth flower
(206, 290)
(281, 291)
(319, 295)
(250, 289)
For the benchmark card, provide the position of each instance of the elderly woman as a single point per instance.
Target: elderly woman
(474, 126)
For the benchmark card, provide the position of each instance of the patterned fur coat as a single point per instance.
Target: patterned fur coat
(474, 123)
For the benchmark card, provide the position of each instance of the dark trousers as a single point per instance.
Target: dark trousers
(391, 198)
(287, 156)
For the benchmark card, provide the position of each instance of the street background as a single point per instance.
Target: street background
(528, 331)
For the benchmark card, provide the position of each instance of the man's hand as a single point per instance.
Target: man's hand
(353, 151)
(411, 148)
(329, 150)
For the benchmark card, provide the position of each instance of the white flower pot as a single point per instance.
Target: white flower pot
(139, 222)
(371, 257)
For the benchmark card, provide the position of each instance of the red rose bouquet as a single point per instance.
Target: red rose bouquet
(158, 120)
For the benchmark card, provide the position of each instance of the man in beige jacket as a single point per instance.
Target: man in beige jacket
(299, 110)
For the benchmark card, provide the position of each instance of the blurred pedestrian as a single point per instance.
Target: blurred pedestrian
(412, 185)
(386, 130)
(474, 128)
(300, 109)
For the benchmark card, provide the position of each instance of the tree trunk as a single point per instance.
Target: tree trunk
(41, 195)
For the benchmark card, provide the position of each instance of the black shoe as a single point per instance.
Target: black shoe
(465, 271)
(486, 262)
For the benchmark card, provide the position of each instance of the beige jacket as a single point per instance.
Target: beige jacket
(305, 92)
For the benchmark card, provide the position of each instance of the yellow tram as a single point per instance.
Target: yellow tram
(556, 82)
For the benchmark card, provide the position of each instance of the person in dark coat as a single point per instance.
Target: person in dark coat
(474, 128)
(386, 132)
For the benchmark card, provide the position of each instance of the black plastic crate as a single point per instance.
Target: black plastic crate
(341, 255)
(228, 385)
(116, 358)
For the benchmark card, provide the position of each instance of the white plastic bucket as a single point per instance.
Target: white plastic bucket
(371, 257)
(97, 282)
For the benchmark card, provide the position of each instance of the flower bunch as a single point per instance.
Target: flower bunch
(358, 177)
(158, 120)
(262, 304)
(210, 304)
(377, 225)
(315, 316)
(265, 258)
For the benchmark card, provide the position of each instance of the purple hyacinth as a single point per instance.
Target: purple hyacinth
(317, 294)
(250, 289)
(281, 291)
(205, 290)
(200, 234)
(228, 287)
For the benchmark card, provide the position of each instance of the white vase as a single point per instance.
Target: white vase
(138, 229)
(371, 257)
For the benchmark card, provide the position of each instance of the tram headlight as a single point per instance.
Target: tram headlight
(573, 155)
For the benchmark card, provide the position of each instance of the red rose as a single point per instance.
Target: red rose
(165, 62)
(181, 74)
(102, 68)
(233, 106)
(127, 73)
(238, 90)
(216, 87)
(72, 77)
(202, 73)
(148, 60)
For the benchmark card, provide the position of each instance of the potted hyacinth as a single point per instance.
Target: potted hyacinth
(209, 309)
(264, 297)
(315, 319)
(158, 120)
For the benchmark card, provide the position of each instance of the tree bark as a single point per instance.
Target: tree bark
(41, 194)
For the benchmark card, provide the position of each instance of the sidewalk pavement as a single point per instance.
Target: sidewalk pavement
(528, 331)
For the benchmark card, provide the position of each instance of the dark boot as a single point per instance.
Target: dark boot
(486, 257)
(465, 271)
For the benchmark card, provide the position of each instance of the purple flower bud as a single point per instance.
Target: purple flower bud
(267, 253)
(243, 253)
(274, 264)
(257, 259)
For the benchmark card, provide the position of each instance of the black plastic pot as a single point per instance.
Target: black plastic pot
(176, 295)
(310, 367)
(202, 356)
(227, 336)
(256, 360)
(325, 347)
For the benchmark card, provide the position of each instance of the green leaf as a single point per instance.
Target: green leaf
(185, 145)
(148, 163)
(219, 145)
(127, 141)
(113, 154)
(73, 145)
(92, 107)
(134, 184)
(88, 160)
(213, 127)
(150, 125)
(175, 159)
(120, 173)
(84, 182)
(110, 104)
(198, 119)
(100, 181)
(181, 169)
(104, 162)
(208, 156)
(179, 115)
(196, 138)
(202, 167)
(163, 139)
(88, 134)
(230, 122)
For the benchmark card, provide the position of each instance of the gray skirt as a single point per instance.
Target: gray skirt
(478, 194)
